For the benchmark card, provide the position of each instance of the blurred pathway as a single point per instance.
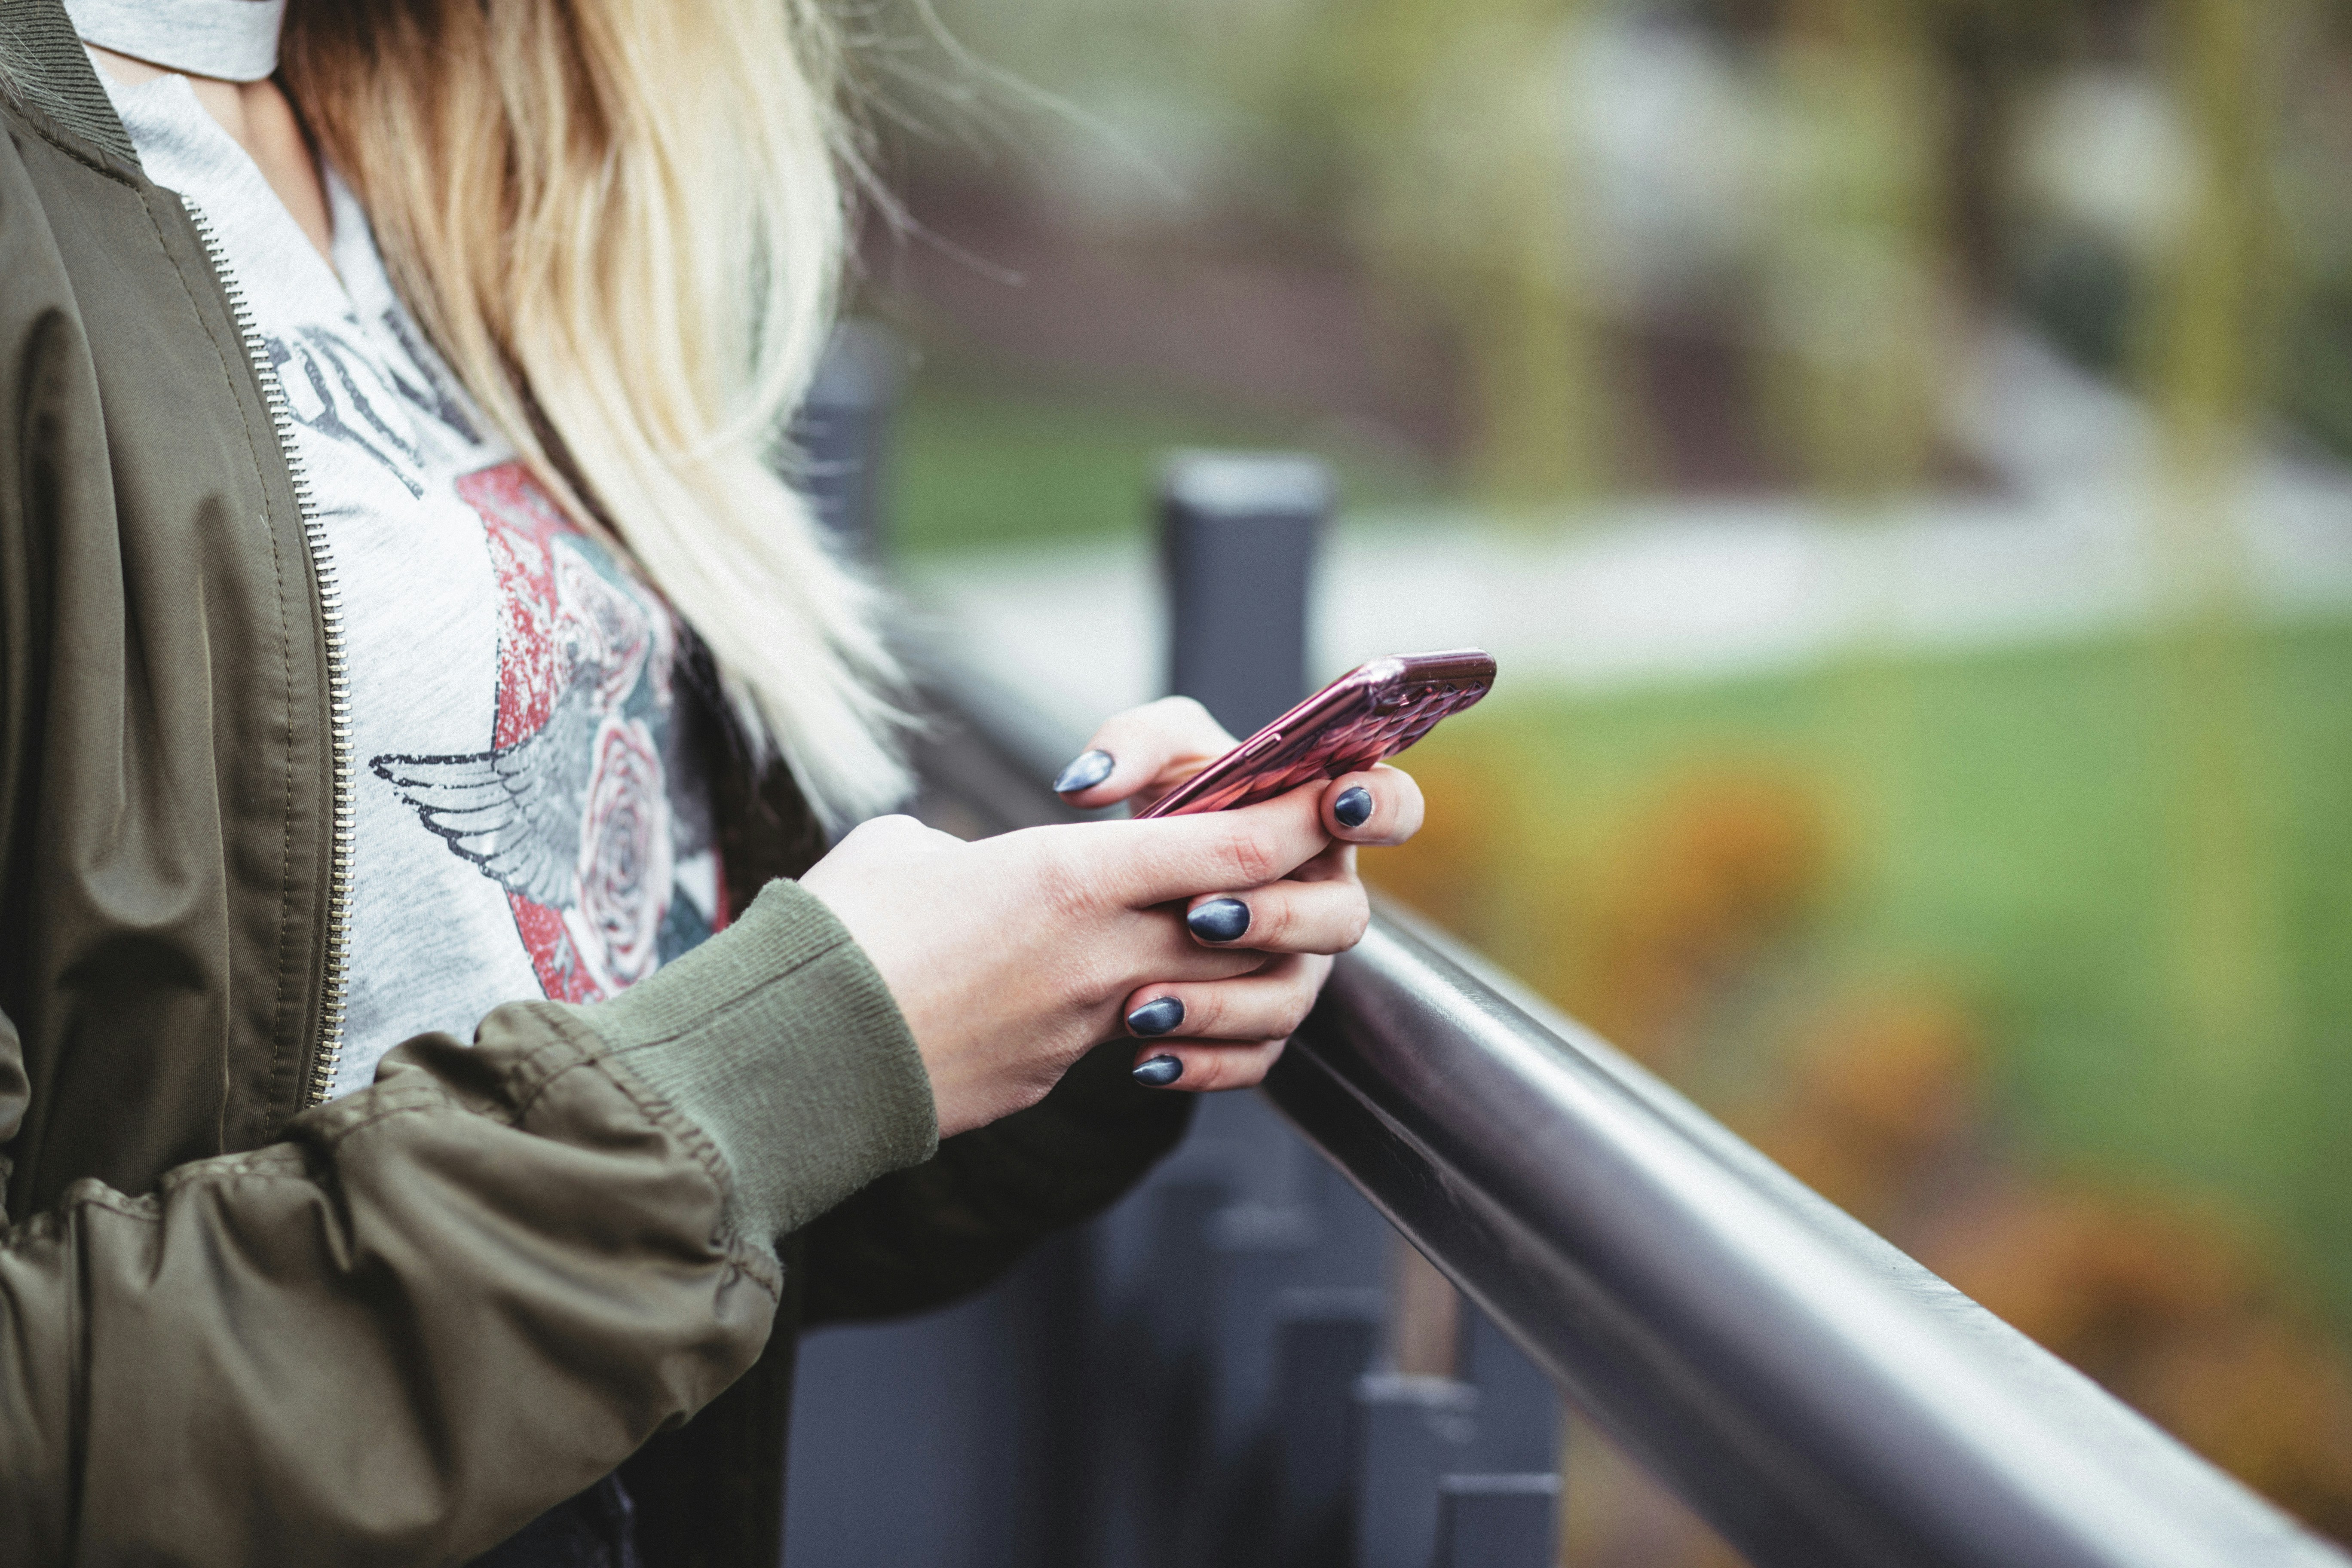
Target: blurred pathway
(1685, 590)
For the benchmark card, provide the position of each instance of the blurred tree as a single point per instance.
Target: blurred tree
(1858, 302)
(1461, 191)
(2208, 345)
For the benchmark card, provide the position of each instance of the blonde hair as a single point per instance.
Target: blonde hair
(621, 222)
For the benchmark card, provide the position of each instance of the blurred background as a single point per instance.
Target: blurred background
(1900, 452)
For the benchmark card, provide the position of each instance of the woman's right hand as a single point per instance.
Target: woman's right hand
(1010, 956)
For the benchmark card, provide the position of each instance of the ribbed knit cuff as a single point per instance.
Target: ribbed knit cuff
(778, 1039)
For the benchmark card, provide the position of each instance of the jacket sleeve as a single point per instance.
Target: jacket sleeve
(923, 1237)
(447, 1303)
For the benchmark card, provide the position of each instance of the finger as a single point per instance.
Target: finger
(1156, 746)
(1325, 917)
(1336, 863)
(1156, 947)
(1204, 1067)
(1174, 858)
(1379, 807)
(1267, 1005)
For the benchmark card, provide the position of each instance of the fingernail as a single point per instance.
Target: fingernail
(1220, 920)
(1353, 808)
(1156, 1016)
(1159, 1072)
(1087, 770)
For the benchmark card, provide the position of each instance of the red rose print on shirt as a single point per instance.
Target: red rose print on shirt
(569, 809)
(624, 849)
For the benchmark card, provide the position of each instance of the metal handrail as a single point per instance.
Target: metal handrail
(1815, 1394)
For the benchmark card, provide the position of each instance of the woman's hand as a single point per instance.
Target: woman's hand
(1227, 1033)
(1010, 956)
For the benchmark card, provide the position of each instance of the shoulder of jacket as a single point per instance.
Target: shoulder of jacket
(47, 77)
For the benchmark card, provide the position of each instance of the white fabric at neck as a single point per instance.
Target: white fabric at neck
(233, 40)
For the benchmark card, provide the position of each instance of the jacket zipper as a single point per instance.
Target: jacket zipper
(328, 1050)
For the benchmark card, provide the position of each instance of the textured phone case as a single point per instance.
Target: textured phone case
(1366, 716)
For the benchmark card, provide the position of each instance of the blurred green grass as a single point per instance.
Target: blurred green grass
(981, 462)
(1998, 828)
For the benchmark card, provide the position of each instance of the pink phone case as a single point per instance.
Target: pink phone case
(1366, 716)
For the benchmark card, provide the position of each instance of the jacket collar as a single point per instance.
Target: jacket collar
(44, 64)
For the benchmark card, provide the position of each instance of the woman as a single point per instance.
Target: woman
(420, 1084)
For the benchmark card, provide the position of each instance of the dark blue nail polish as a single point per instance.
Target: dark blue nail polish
(1156, 1016)
(1354, 807)
(1220, 920)
(1159, 1072)
(1087, 770)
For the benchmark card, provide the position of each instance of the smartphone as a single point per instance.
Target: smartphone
(1368, 715)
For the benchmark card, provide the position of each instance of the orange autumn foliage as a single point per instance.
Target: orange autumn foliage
(1880, 1095)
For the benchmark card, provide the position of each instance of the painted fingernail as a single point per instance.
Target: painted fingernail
(1087, 770)
(1159, 1072)
(1220, 920)
(1354, 807)
(1156, 1016)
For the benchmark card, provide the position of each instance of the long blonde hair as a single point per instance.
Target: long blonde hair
(622, 223)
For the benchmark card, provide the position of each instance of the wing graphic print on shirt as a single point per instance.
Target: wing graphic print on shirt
(569, 808)
(514, 813)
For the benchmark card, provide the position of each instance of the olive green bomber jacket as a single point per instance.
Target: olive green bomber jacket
(240, 1327)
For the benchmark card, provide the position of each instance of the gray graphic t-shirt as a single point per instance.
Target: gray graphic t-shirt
(529, 822)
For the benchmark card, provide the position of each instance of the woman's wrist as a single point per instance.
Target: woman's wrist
(778, 1039)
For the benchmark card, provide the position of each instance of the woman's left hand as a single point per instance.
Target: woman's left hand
(1228, 1034)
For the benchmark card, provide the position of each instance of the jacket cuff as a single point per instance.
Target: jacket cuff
(778, 1039)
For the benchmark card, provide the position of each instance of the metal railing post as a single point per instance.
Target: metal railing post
(1457, 1472)
(1411, 1433)
(1323, 1340)
(1520, 1415)
(1497, 1522)
(1238, 534)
